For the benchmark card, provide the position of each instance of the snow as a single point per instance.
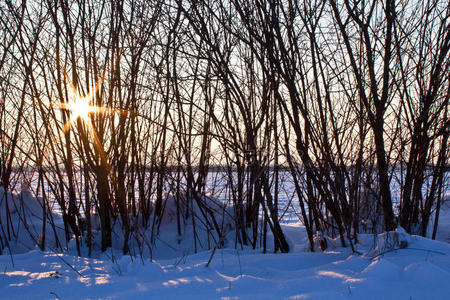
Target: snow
(419, 271)
(391, 265)
(443, 230)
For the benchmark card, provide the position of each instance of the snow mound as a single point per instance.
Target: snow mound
(382, 268)
(419, 271)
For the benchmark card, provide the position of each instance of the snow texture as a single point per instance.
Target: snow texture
(391, 265)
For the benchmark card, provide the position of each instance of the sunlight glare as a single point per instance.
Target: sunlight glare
(80, 107)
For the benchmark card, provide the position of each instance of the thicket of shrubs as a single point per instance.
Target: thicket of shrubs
(345, 98)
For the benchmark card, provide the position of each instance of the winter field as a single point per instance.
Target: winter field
(224, 149)
(421, 271)
(392, 265)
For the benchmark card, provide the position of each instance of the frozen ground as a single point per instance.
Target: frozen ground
(379, 271)
(420, 271)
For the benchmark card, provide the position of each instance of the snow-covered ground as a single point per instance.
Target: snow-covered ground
(380, 269)
(420, 271)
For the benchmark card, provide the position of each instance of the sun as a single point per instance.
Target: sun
(80, 108)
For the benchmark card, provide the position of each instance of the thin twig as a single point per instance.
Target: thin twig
(67, 263)
(57, 297)
(407, 248)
